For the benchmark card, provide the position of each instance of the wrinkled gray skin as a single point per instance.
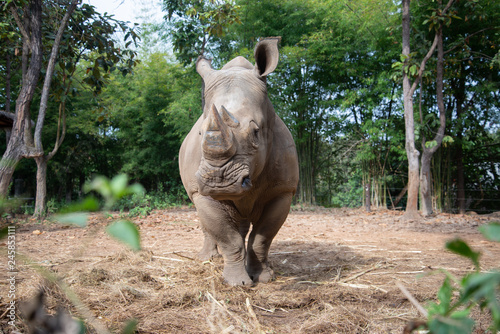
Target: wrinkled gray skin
(239, 165)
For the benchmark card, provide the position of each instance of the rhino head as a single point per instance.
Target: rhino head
(238, 119)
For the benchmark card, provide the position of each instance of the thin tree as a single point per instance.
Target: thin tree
(429, 150)
(408, 92)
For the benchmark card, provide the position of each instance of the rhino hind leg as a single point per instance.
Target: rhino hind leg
(221, 228)
(262, 235)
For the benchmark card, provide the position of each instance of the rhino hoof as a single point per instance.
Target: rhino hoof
(235, 277)
(265, 276)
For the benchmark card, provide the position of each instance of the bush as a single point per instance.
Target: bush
(478, 289)
(142, 205)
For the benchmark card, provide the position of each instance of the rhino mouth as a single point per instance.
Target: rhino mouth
(231, 179)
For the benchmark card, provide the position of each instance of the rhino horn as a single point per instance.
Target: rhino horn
(218, 142)
(228, 118)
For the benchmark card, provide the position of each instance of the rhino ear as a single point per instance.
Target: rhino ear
(203, 66)
(266, 55)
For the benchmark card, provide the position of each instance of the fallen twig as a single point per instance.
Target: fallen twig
(265, 309)
(412, 251)
(362, 286)
(353, 277)
(253, 315)
(412, 299)
(184, 256)
(166, 258)
(290, 252)
(209, 296)
(398, 272)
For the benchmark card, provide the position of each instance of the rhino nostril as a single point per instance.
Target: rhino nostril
(246, 183)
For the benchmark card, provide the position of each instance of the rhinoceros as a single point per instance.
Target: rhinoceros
(239, 165)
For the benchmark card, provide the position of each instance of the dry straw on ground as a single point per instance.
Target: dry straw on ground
(337, 272)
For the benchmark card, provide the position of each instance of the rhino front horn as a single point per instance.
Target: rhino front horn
(218, 142)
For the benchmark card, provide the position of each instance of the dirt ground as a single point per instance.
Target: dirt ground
(336, 269)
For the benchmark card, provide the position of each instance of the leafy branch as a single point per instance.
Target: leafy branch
(476, 289)
(111, 191)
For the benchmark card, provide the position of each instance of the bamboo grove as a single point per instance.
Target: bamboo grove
(132, 97)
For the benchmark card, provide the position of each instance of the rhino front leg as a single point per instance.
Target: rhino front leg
(209, 249)
(262, 235)
(220, 223)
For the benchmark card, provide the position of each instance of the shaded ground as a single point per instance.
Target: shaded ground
(336, 273)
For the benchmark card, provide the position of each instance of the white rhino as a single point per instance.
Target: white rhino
(239, 165)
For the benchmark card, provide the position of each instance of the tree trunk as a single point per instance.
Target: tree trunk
(400, 196)
(408, 90)
(41, 186)
(21, 139)
(459, 155)
(426, 184)
(10, 159)
(368, 195)
(7, 82)
(425, 172)
(460, 176)
(22, 144)
(411, 151)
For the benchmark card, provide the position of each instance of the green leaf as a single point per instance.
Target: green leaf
(430, 144)
(136, 189)
(413, 69)
(448, 139)
(483, 289)
(443, 325)
(126, 232)
(101, 185)
(444, 296)
(397, 64)
(491, 231)
(460, 314)
(90, 203)
(130, 327)
(75, 218)
(479, 286)
(119, 185)
(460, 247)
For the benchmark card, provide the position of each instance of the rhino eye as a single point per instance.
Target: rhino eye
(254, 134)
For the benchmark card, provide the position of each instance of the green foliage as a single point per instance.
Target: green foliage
(111, 191)
(114, 189)
(130, 327)
(336, 87)
(193, 24)
(126, 232)
(479, 289)
(349, 194)
(491, 231)
(460, 247)
(143, 205)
